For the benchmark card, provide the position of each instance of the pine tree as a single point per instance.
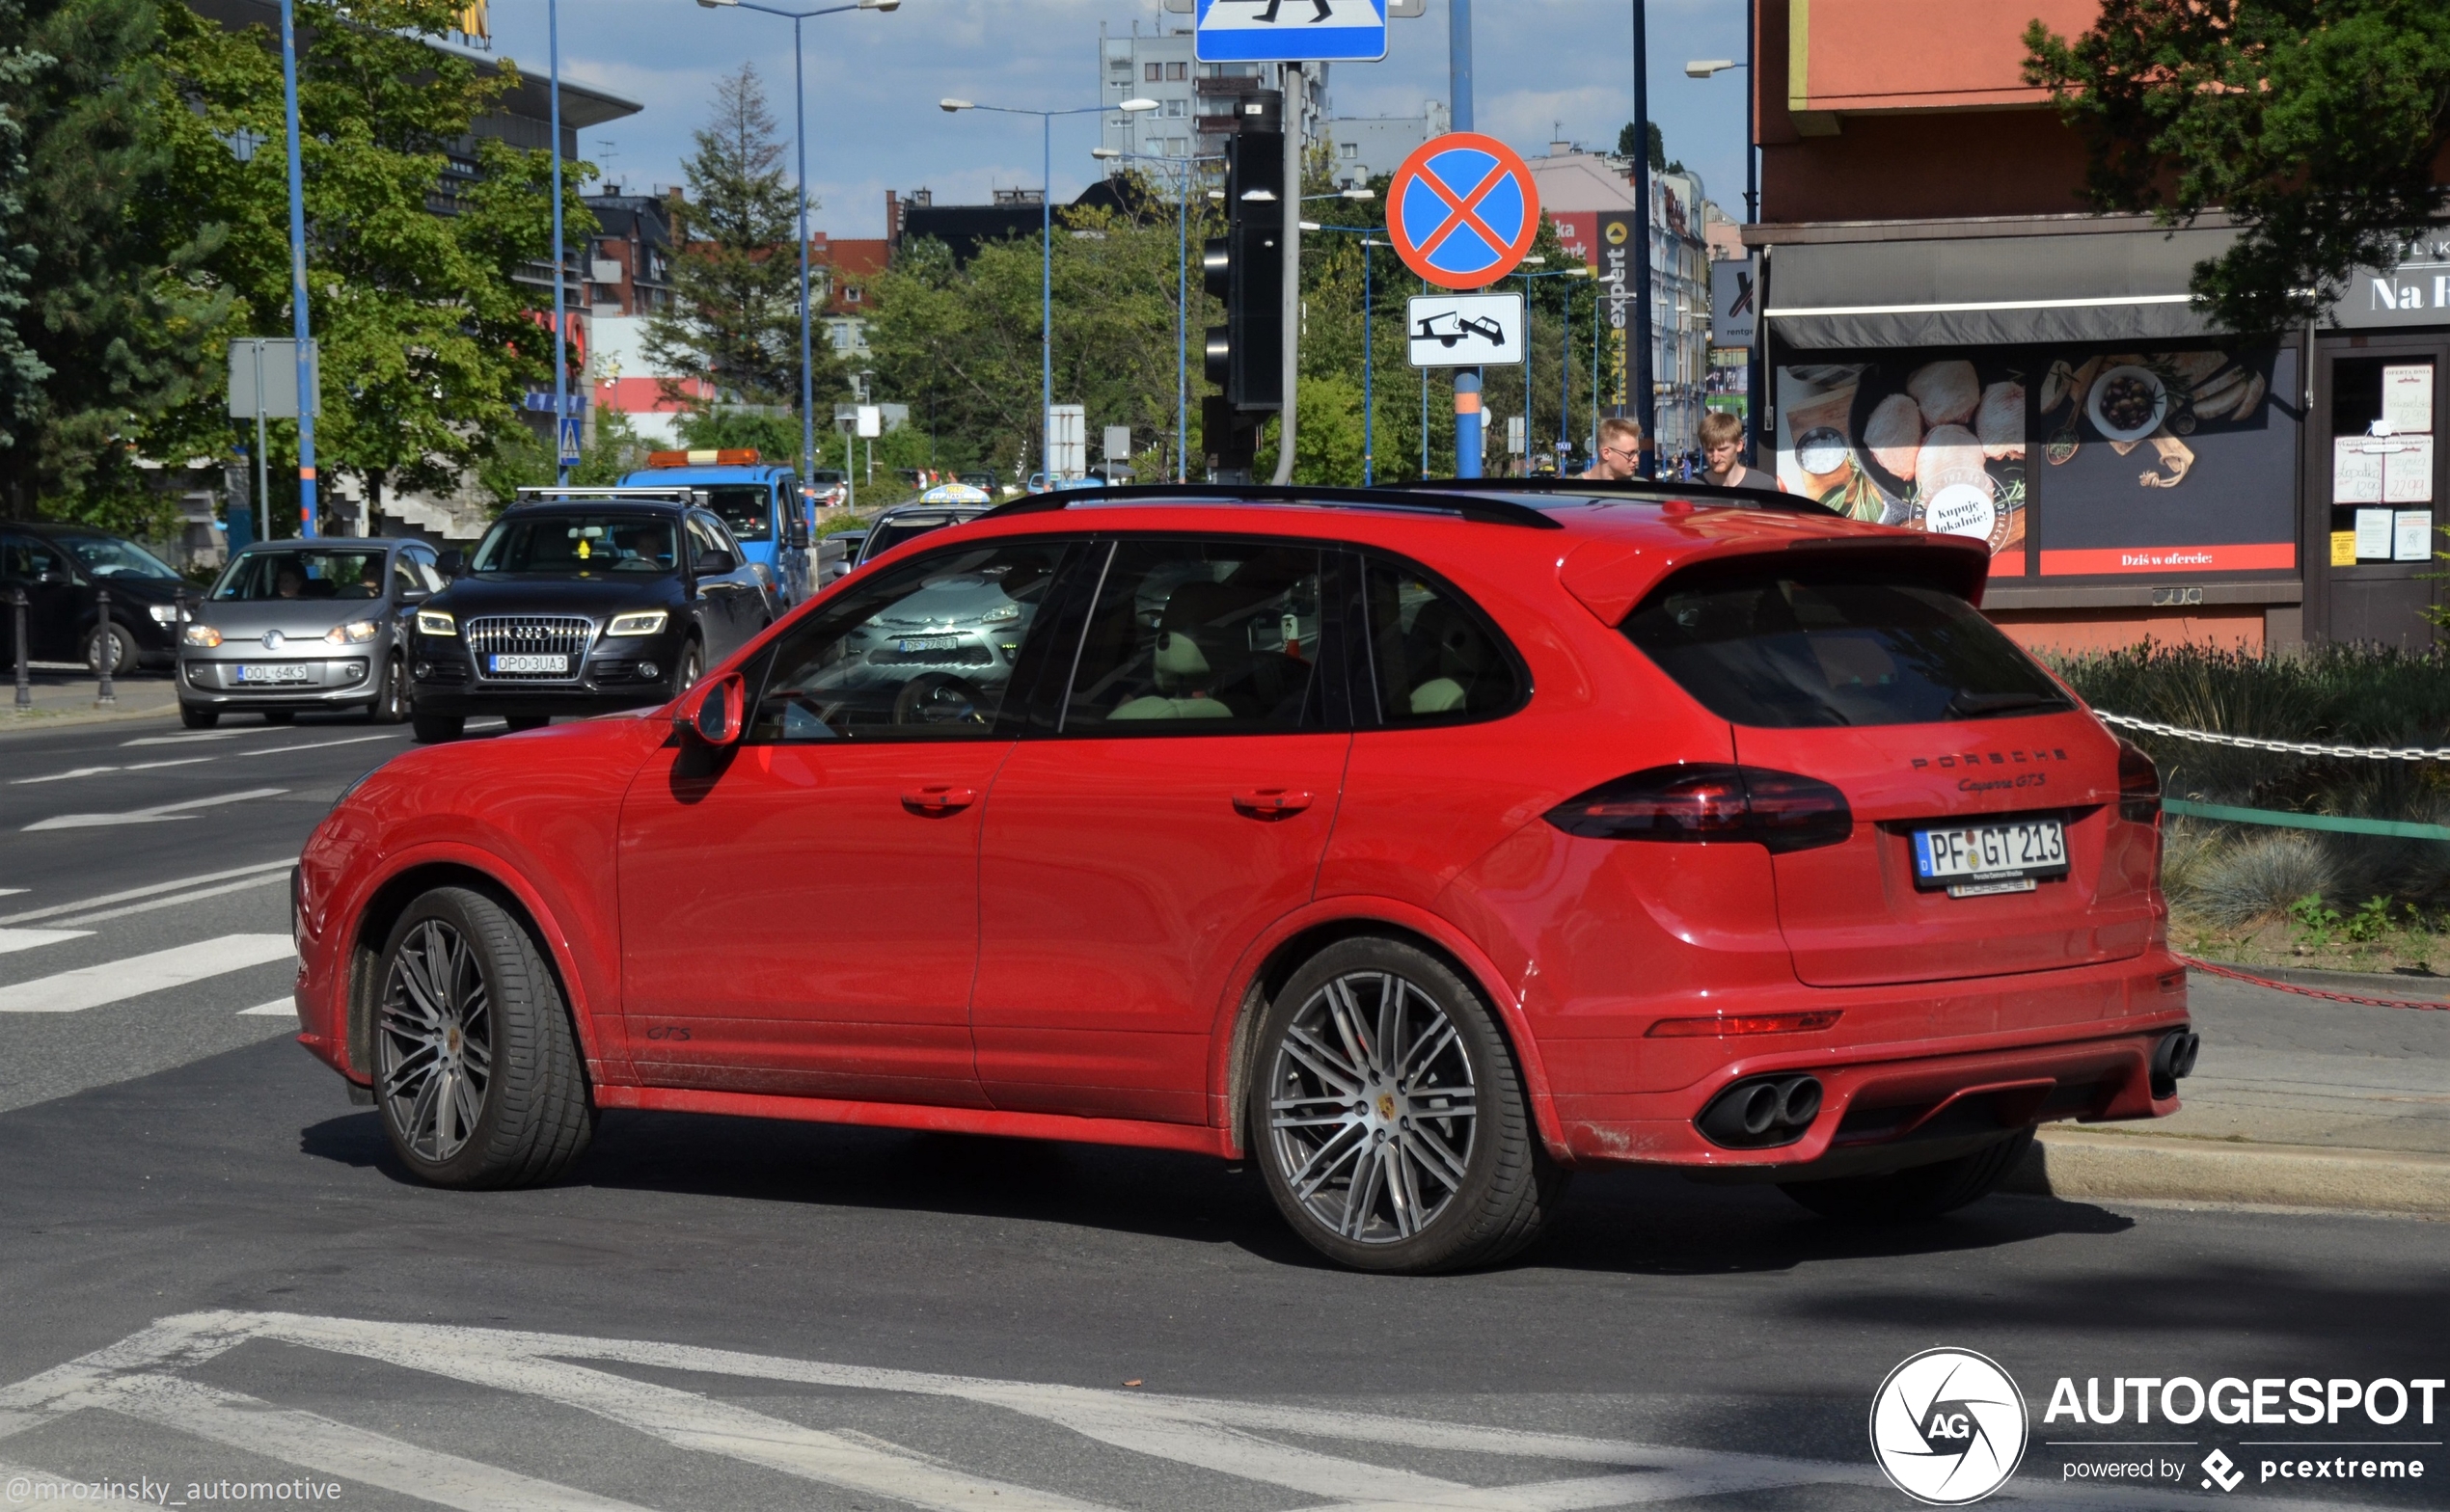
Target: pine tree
(734, 319)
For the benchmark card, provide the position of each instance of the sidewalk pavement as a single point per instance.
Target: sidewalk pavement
(2296, 1102)
(63, 699)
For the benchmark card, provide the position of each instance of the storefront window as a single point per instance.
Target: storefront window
(2381, 460)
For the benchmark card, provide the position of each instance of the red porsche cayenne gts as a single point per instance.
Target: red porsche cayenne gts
(1420, 846)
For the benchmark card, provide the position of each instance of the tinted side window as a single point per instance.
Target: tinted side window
(1436, 658)
(1787, 647)
(926, 652)
(1201, 637)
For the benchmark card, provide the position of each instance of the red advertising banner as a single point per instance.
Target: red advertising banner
(2156, 559)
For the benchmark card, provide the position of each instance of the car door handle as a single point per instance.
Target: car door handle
(1271, 802)
(937, 802)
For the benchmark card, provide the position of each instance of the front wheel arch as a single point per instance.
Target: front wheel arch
(392, 899)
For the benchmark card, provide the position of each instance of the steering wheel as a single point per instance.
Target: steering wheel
(939, 698)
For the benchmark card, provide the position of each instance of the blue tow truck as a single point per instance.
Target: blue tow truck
(761, 501)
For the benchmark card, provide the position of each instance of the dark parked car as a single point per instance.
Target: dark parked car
(60, 568)
(305, 625)
(582, 601)
(909, 521)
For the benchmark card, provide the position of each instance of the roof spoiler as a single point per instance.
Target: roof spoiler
(1422, 499)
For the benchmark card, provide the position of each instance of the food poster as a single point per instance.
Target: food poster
(2149, 463)
(1935, 443)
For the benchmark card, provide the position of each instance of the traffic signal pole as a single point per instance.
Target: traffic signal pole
(1458, 88)
(1289, 244)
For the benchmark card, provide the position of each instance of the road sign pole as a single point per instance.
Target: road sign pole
(306, 525)
(1369, 314)
(1291, 246)
(263, 469)
(1467, 422)
(1458, 64)
(1644, 407)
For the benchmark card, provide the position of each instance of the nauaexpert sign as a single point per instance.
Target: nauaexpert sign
(1464, 330)
(1290, 31)
(1462, 210)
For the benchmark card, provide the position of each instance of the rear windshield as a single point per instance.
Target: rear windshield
(1792, 648)
(294, 573)
(888, 535)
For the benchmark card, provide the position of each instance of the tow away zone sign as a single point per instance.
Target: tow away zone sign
(1465, 329)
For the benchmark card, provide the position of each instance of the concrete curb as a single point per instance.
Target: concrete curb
(2370, 984)
(44, 719)
(2073, 1163)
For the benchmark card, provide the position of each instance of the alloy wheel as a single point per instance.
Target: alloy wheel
(435, 1042)
(1372, 1108)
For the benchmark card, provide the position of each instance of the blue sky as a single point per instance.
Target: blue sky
(874, 79)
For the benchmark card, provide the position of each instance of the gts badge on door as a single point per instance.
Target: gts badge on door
(667, 1032)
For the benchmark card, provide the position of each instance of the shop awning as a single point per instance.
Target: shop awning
(1984, 290)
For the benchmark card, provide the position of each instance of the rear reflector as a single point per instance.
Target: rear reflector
(1700, 801)
(2139, 784)
(705, 457)
(1743, 1024)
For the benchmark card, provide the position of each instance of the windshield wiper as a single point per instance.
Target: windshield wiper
(1983, 706)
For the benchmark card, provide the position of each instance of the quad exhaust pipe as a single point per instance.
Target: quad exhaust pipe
(1762, 1112)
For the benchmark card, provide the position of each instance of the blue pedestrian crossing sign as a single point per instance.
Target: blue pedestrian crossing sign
(570, 441)
(1290, 31)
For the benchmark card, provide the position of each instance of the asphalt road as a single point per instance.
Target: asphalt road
(213, 1272)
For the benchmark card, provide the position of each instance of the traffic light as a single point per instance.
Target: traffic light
(1245, 266)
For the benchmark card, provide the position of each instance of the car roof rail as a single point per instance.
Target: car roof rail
(576, 494)
(1488, 511)
(1635, 489)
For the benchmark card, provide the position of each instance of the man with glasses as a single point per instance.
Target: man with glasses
(1620, 451)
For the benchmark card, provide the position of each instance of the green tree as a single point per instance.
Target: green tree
(423, 240)
(734, 320)
(1659, 162)
(2316, 124)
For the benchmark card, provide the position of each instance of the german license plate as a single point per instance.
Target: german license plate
(910, 643)
(275, 672)
(1971, 860)
(507, 662)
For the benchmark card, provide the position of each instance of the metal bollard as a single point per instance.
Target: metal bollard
(105, 650)
(25, 680)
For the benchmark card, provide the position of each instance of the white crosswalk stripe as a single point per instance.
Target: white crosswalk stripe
(11, 940)
(158, 813)
(278, 1007)
(115, 981)
(146, 1376)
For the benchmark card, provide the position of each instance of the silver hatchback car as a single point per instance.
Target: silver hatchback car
(305, 625)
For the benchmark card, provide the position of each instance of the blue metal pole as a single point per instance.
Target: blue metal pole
(1467, 422)
(808, 345)
(1183, 325)
(560, 311)
(1458, 63)
(1046, 300)
(1527, 374)
(1369, 374)
(1565, 380)
(298, 276)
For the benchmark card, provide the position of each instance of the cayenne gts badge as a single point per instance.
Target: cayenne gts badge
(1948, 1427)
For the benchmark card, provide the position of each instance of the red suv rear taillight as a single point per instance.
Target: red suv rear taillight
(1710, 800)
(2139, 784)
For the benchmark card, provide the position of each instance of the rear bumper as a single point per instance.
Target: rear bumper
(1889, 1105)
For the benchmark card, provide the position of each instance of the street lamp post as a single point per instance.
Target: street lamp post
(298, 273)
(1045, 252)
(800, 131)
(1182, 289)
(1706, 68)
(1577, 271)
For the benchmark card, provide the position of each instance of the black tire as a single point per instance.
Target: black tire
(516, 723)
(122, 647)
(478, 1078)
(1916, 1193)
(195, 717)
(391, 699)
(693, 667)
(280, 717)
(1507, 1187)
(437, 729)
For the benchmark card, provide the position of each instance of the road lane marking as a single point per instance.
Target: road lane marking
(94, 772)
(7, 892)
(150, 890)
(182, 740)
(115, 981)
(174, 900)
(354, 739)
(158, 814)
(146, 1375)
(279, 1008)
(26, 939)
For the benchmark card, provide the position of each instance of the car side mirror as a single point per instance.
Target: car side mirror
(51, 578)
(715, 563)
(716, 715)
(798, 529)
(452, 564)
